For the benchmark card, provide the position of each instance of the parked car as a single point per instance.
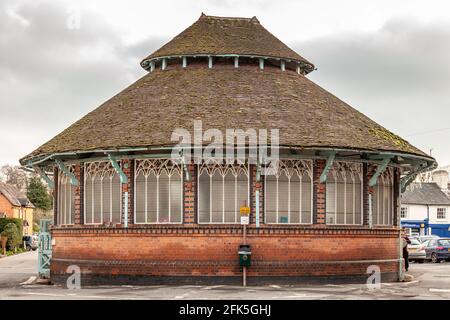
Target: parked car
(437, 249)
(416, 251)
(423, 239)
(30, 242)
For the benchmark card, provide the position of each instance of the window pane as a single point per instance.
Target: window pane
(349, 199)
(217, 198)
(88, 200)
(340, 200)
(97, 200)
(331, 199)
(163, 200)
(295, 198)
(176, 198)
(271, 199)
(116, 198)
(306, 199)
(358, 202)
(106, 198)
(152, 199)
(204, 197)
(230, 198)
(140, 198)
(283, 198)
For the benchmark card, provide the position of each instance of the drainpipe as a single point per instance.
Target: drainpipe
(428, 220)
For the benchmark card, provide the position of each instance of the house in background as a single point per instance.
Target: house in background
(425, 209)
(15, 204)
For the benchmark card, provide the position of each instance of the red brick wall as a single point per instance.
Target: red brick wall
(213, 251)
(6, 206)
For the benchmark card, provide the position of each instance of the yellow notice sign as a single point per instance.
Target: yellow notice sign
(245, 211)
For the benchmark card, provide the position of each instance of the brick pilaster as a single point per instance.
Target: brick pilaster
(55, 195)
(365, 187)
(319, 193)
(189, 188)
(78, 195)
(127, 168)
(396, 212)
(256, 186)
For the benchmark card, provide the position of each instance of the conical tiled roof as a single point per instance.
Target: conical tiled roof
(224, 96)
(147, 112)
(227, 36)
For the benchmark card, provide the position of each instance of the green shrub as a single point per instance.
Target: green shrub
(16, 221)
(14, 238)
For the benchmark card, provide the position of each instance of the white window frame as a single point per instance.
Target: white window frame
(290, 168)
(157, 167)
(102, 169)
(65, 180)
(404, 212)
(211, 166)
(381, 183)
(442, 210)
(356, 170)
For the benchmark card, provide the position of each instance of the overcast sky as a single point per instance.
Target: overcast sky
(61, 59)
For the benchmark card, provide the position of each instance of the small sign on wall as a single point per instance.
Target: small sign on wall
(245, 220)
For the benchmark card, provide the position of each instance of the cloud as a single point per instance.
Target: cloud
(398, 75)
(51, 75)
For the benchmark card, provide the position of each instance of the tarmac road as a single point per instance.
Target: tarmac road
(17, 269)
(431, 281)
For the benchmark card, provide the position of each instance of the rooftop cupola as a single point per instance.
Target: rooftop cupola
(226, 39)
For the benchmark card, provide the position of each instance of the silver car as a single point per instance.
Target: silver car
(416, 251)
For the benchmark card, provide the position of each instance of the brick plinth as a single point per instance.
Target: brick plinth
(201, 253)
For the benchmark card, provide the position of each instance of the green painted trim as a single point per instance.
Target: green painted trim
(326, 170)
(380, 169)
(44, 176)
(63, 168)
(122, 175)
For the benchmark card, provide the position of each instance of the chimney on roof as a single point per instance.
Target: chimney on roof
(441, 178)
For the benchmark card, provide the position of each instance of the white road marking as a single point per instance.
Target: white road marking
(29, 281)
(439, 290)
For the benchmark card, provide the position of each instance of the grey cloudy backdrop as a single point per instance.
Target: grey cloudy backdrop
(388, 59)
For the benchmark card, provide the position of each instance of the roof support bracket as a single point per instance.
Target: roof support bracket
(184, 62)
(115, 164)
(210, 62)
(380, 169)
(236, 62)
(63, 168)
(44, 176)
(326, 170)
(406, 180)
(261, 63)
(183, 163)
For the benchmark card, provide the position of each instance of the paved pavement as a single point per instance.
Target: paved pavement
(431, 281)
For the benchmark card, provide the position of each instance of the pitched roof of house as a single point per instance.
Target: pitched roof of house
(425, 193)
(14, 195)
(224, 35)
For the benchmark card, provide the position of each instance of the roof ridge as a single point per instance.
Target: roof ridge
(205, 16)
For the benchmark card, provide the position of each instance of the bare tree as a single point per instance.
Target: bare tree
(15, 176)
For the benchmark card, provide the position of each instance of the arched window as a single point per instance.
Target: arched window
(158, 191)
(344, 194)
(102, 193)
(288, 192)
(65, 199)
(222, 190)
(383, 199)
